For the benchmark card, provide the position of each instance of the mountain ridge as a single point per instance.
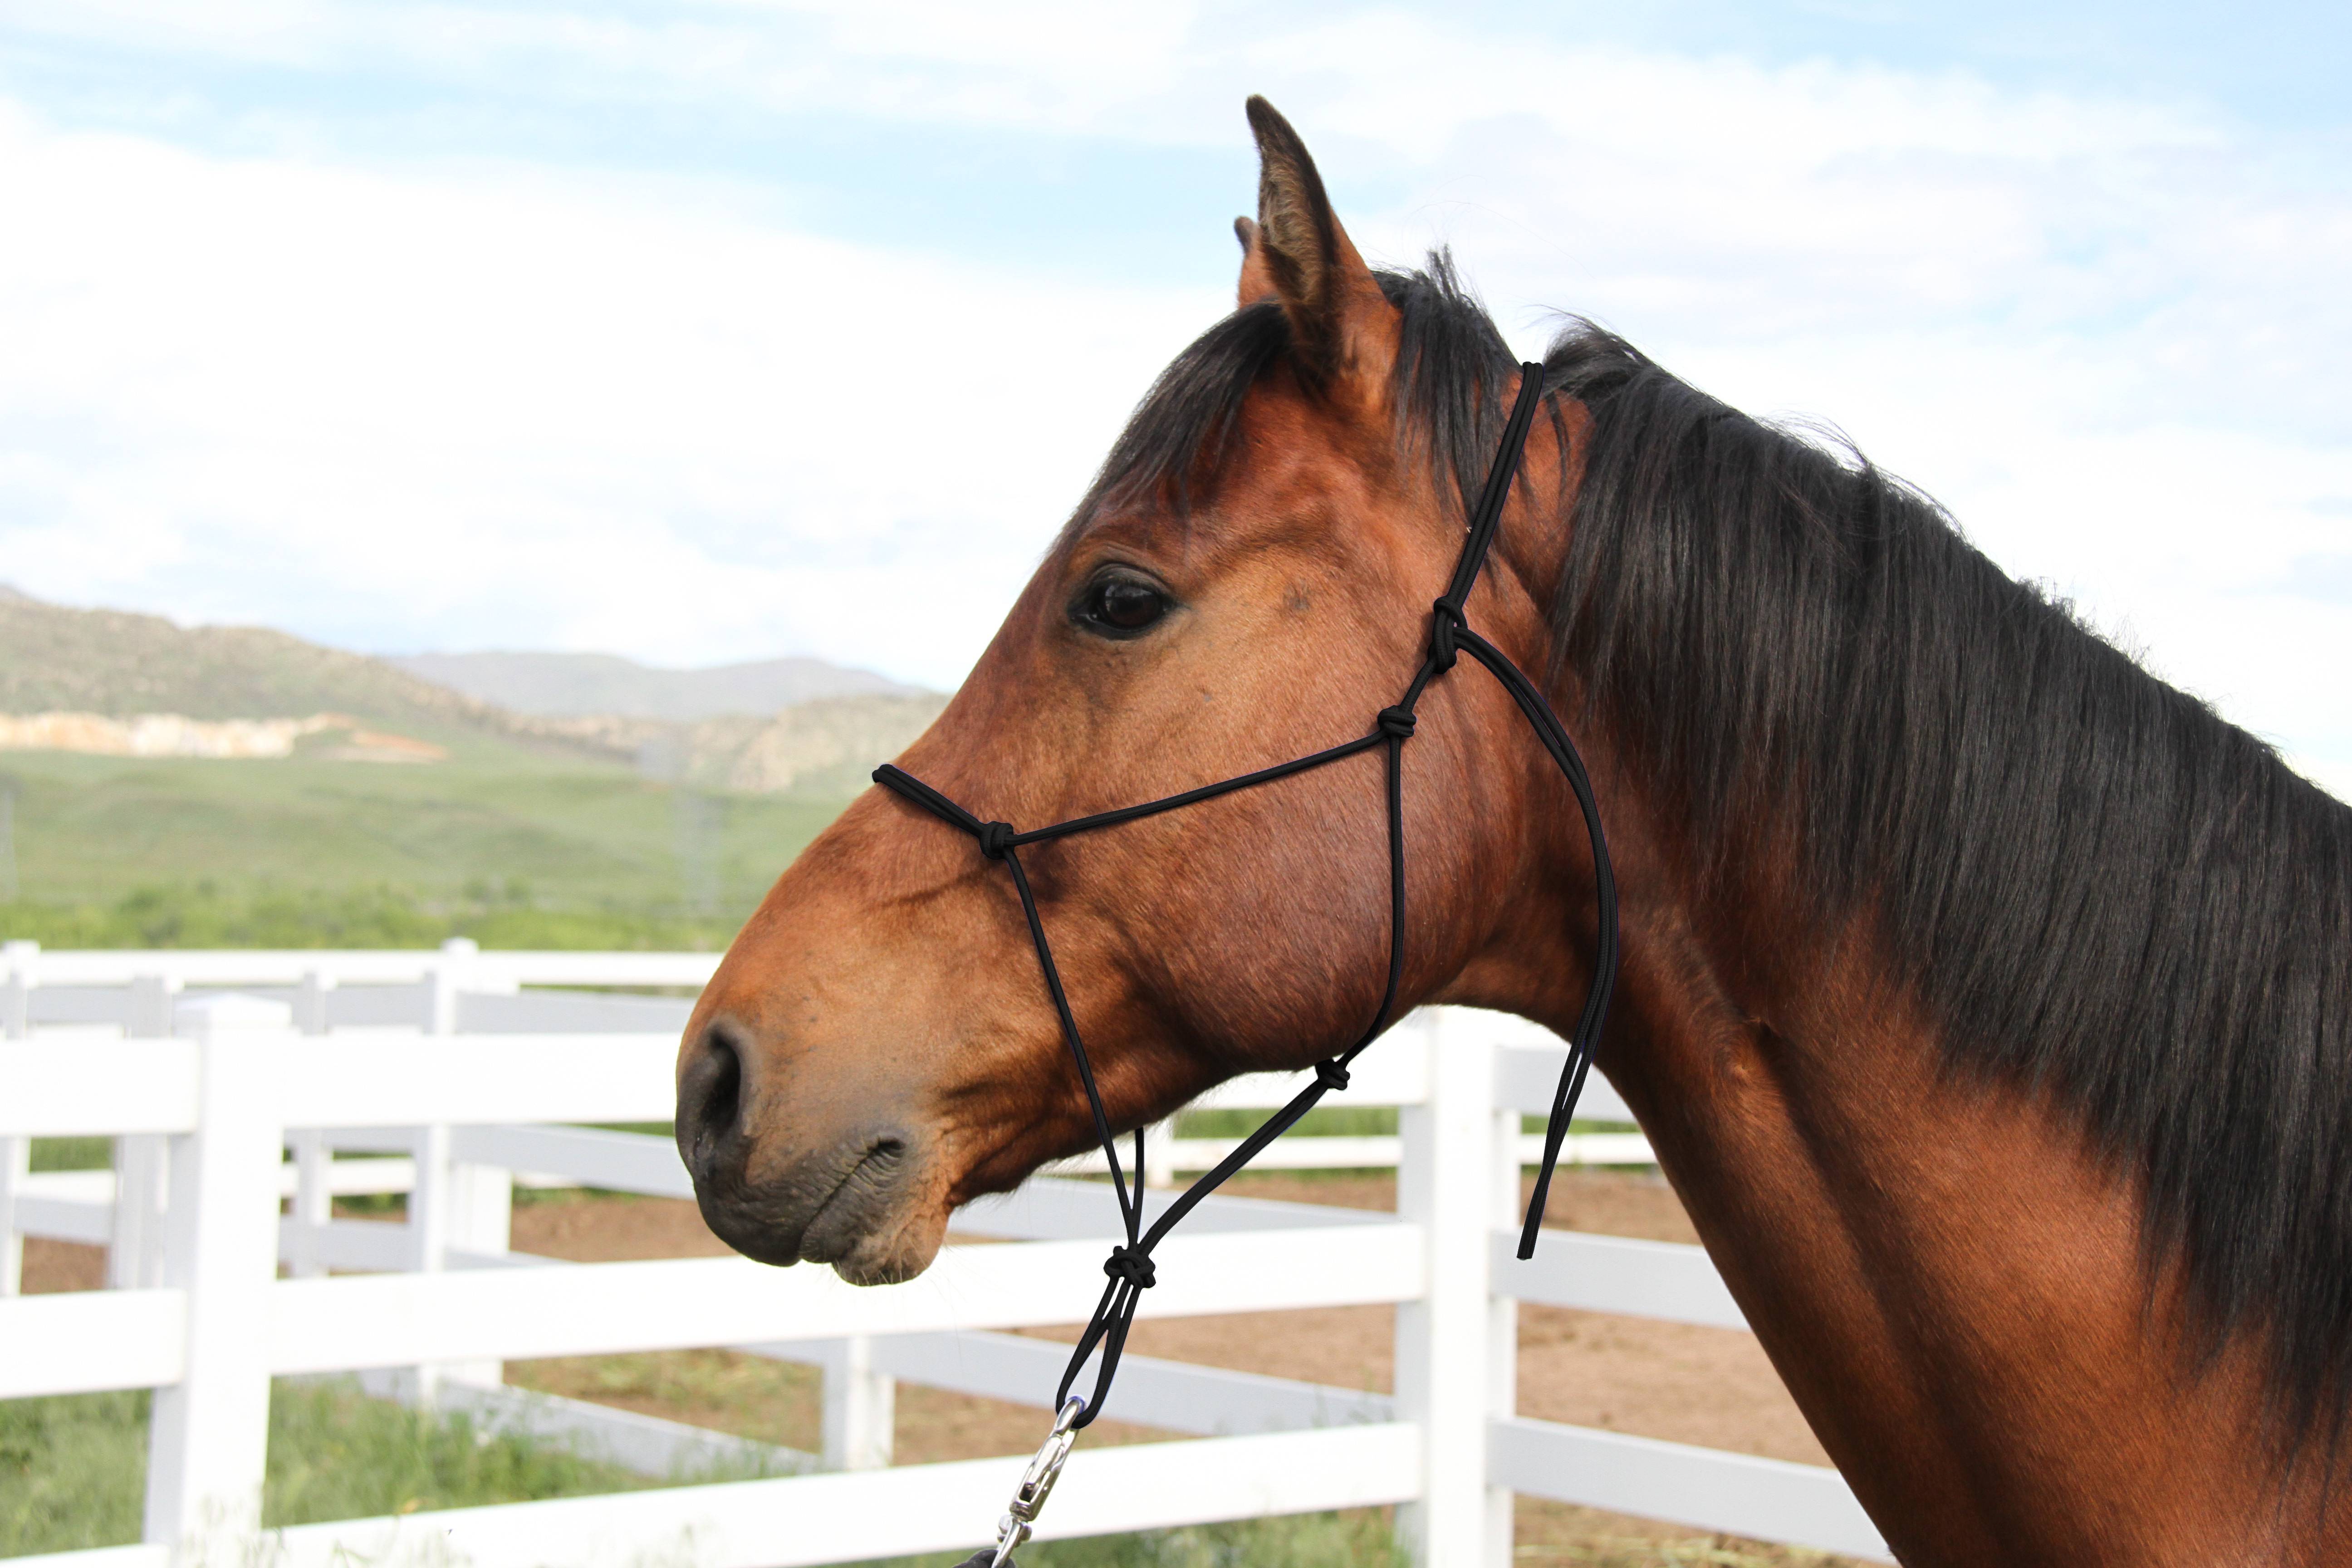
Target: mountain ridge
(120, 664)
(818, 730)
(579, 685)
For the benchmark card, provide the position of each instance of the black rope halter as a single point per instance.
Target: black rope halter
(1130, 1265)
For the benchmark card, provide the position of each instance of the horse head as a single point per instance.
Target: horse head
(1248, 581)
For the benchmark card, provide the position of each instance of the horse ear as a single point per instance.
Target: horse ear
(1257, 282)
(1297, 253)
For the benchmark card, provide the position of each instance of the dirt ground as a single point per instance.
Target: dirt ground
(1708, 1387)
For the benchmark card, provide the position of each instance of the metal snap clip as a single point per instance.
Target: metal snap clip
(1037, 1482)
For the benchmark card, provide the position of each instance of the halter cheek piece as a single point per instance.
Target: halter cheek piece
(1129, 1267)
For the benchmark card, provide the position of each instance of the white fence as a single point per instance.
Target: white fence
(461, 989)
(303, 1063)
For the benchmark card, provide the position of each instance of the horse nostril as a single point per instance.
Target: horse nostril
(710, 1099)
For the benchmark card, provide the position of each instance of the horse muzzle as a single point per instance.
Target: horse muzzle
(788, 1173)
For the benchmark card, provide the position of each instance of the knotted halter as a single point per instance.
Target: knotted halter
(1130, 1266)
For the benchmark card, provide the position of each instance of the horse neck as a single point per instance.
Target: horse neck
(1948, 1278)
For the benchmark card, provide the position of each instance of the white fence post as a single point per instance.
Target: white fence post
(314, 1198)
(209, 1436)
(18, 958)
(449, 973)
(314, 994)
(427, 1236)
(1159, 1153)
(1445, 1185)
(15, 1164)
(16, 1154)
(478, 1216)
(1502, 1310)
(861, 1407)
(143, 1176)
(469, 1207)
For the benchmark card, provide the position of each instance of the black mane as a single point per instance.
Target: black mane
(2093, 884)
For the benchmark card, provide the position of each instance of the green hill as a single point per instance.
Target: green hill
(112, 662)
(577, 835)
(529, 834)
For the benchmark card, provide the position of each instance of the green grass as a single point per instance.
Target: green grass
(1344, 1121)
(73, 1153)
(1362, 1538)
(336, 1454)
(1715, 1551)
(71, 1471)
(501, 842)
(1359, 1538)
(73, 1468)
(1323, 1121)
(207, 915)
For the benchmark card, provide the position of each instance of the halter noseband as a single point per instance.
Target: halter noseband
(1130, 1266)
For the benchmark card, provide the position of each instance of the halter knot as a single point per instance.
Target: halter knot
(1443, 625)
(1133, 1264)
(1396, 723)
(1331, 1076)
(996, 839)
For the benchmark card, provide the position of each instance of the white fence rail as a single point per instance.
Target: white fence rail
(197, 1216)
(460, 989)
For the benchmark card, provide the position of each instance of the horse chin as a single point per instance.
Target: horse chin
(903, 1248)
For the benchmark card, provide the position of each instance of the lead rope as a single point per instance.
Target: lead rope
(1129, 1268)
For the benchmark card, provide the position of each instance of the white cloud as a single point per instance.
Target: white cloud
(517, 404)
(1390, 76)
(507, 407)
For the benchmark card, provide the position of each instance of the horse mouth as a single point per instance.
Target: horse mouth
(846, 1215)
(854, 1211)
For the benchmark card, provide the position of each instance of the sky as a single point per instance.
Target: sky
(722, 330)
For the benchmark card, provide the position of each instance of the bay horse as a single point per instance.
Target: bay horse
(1987, 1001)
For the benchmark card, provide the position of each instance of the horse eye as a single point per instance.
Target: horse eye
(1122, 605)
